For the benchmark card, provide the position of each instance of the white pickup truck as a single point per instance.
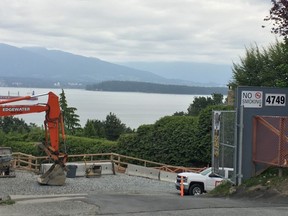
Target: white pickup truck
(198, 183)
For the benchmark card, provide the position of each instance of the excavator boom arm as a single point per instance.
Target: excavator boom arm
(53, 123)
(52, 119)
(11, 110)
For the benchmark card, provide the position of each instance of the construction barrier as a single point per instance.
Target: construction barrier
(167, 176)
(107, 167)
(141, 171)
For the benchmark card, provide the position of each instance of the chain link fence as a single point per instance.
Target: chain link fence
(224, 142)
(270, 140)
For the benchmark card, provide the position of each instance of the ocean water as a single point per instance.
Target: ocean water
(133, 109)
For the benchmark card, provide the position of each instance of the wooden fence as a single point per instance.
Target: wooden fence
(33, 163)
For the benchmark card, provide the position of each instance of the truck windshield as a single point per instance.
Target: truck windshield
(206, 171)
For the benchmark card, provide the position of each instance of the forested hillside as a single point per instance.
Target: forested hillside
(130, 86)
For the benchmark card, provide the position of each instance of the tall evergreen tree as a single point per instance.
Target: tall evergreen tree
(71, 119)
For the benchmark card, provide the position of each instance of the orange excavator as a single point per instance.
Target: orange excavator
(53, 123)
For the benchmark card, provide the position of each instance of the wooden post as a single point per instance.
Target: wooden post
(119, 162)
(280, 172)
(18, 162)
(29, 162)
(36, 165)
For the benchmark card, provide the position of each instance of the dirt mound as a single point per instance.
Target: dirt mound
(270, 194)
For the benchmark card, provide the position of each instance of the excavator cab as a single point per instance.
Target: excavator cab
(6, 170)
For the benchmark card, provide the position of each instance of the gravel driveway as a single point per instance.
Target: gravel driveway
(25, 183)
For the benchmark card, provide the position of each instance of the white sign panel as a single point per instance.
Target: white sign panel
(275, 99)
(252, 99)
(217, 120)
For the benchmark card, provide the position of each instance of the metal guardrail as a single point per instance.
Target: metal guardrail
(33, 163)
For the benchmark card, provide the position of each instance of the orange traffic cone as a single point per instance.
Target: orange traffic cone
(181, 187)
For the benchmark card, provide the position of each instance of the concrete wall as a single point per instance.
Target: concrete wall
(107, 167)
(151, 173)
(167, 176)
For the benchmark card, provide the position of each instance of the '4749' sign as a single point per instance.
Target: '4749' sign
(275, 99)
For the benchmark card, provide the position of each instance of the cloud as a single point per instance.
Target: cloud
(136, 30)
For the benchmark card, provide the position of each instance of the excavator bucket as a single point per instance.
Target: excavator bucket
(54, 176)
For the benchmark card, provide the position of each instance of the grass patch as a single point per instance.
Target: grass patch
(7, 202)
(269, 179)
(224, 189)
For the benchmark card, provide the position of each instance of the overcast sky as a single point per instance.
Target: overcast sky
(212, 31)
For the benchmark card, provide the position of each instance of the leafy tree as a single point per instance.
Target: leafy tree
(217, 99)
(110, 129)
(279, 15)
(13, 124)
(268, 67)
(113, 127)
(71, 119)
(99, 128)
(89, 130)
(250, 67)
(94, 128)
(179, 113)
(200, 103)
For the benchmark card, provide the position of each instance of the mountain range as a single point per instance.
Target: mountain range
(40, 67)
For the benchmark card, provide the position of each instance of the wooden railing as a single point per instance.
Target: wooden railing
(33, 163)
(27, 162)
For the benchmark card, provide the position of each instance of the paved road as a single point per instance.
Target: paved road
(138, 205)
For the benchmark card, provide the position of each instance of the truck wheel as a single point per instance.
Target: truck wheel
(195, 189)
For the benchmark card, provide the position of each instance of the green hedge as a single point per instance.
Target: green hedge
(171, 140)
(83, 145)
(73, 145)
(30, 148)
